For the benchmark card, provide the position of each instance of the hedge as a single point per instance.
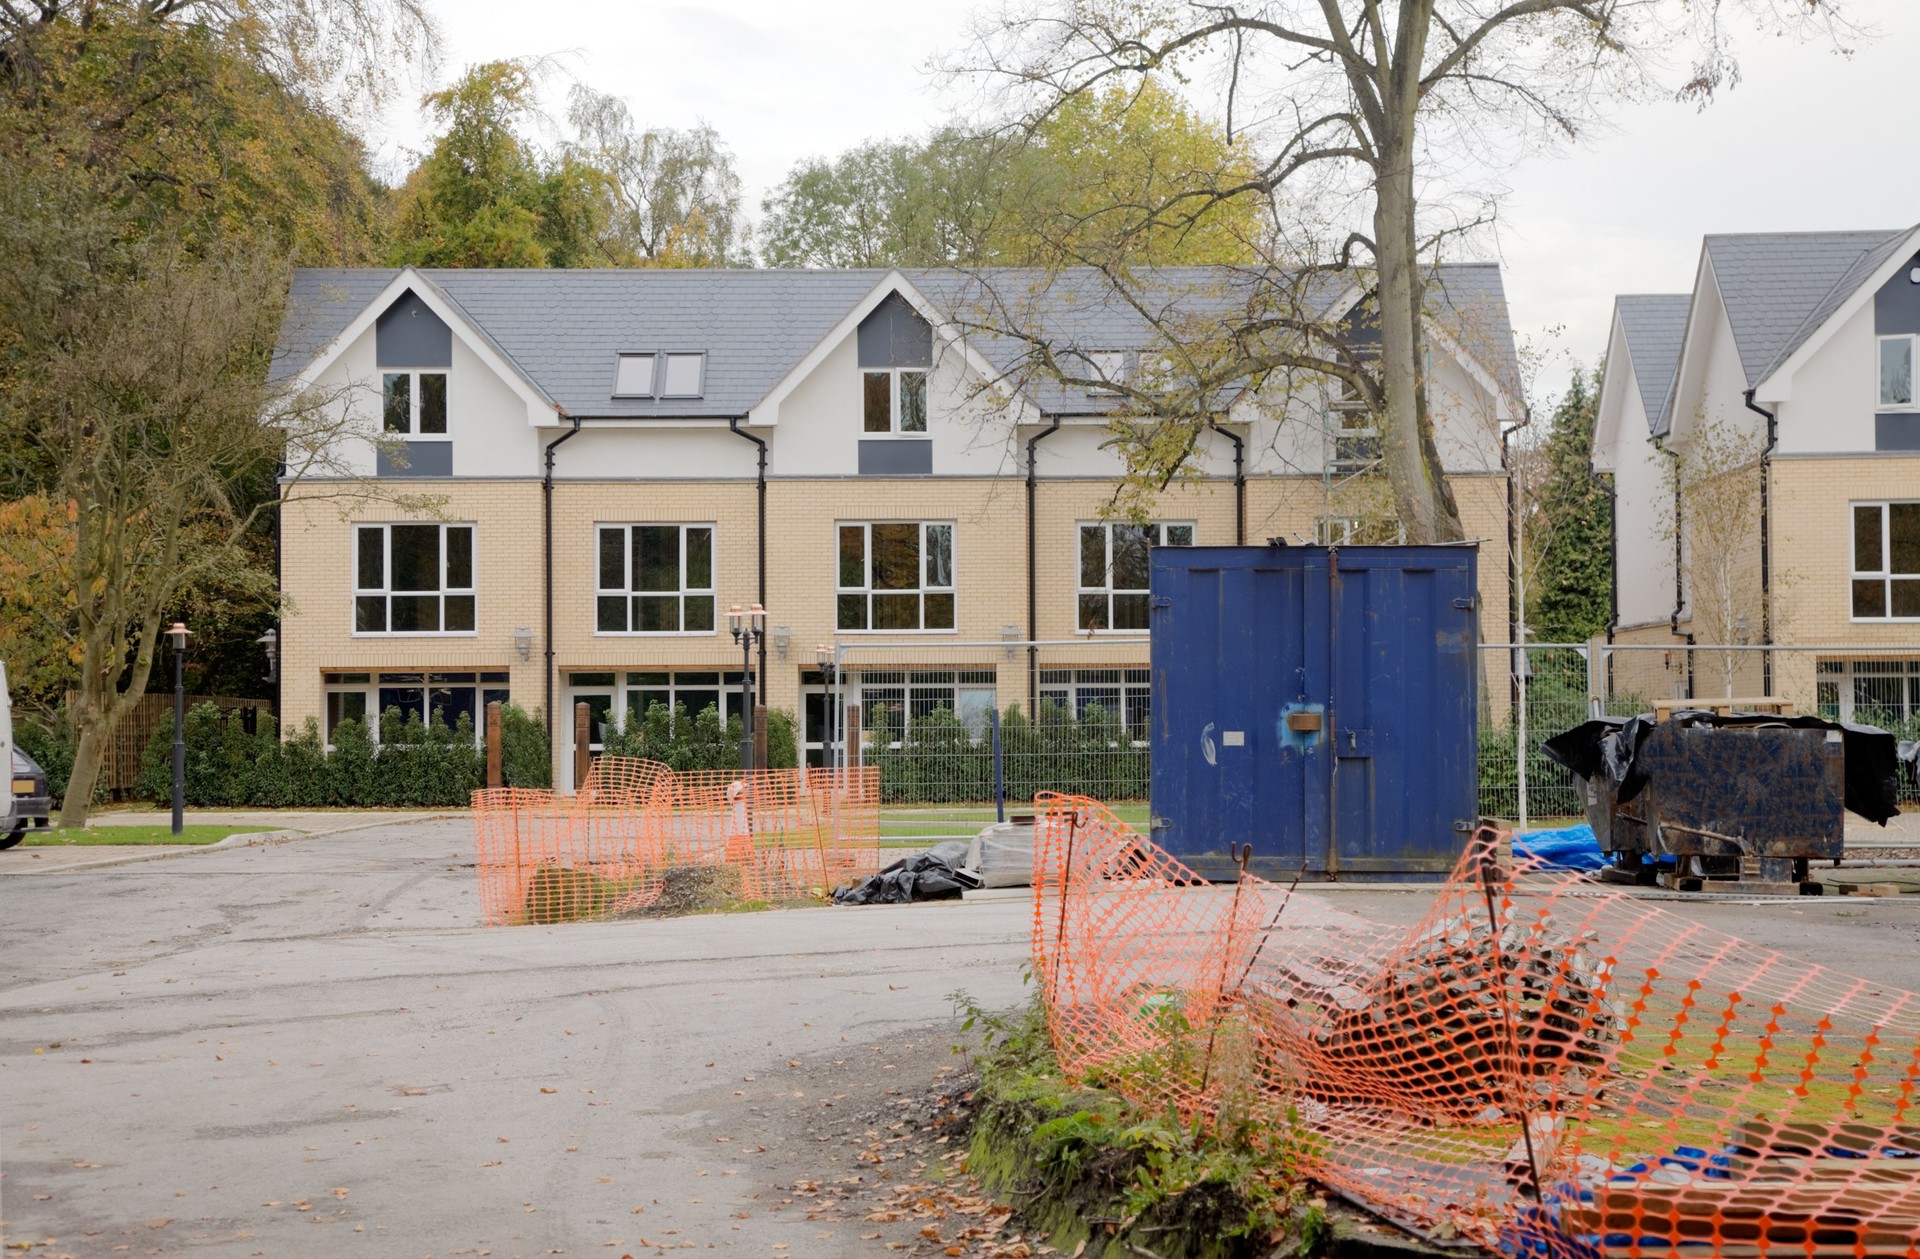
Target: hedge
(937, 759)
(692, 742)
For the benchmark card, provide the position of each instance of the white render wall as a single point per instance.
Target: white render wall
(1834, 394)
(1643, 496)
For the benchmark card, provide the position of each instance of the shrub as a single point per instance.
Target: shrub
(699, 741)
(936, 759)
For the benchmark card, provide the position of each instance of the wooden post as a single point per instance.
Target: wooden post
(582, 738)
(493, 745)
(852, 736)
(759, 736)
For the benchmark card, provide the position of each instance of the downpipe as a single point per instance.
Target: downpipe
(1766, 542)
(733, 426)
(1239, 481)
(1033, 584)
(546, 565)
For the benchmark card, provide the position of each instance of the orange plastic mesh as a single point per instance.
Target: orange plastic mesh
(607, 849)
(1543, 1065)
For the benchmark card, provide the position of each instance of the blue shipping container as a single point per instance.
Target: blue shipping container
(1318, 703)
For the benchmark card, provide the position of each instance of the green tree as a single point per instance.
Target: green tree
(1571, 598)
(484, 195)
(1062, 192)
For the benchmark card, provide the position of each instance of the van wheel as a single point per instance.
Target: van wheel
(12, 837)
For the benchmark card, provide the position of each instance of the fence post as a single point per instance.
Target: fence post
(1520, 742)
(582, 739)
(999, 770)
(493, 744)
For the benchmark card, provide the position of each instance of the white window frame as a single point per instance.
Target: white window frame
(891, 699)
(1844, 701)
(867, 590)
(1134, 685)
(412, 431)
(1913, 372)
(387, 591)
(1084, 591)
(1884, 574)
(653, 358)
(893, 428)
(368, 686)
(606, 592)
(1340, 429)
(1109, 365)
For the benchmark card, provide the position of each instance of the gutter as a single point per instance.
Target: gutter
(733, 426)
(1514, 590)
(1239, 481)
(546, 565)
(1033, 587)
(1766, 542)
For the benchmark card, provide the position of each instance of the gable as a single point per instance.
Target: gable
(409, 334)
(894, 335)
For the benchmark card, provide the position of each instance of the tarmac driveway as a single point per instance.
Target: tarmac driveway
(312, 1049)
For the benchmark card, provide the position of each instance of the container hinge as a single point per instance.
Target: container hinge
(1158, 823)
(1466, 604)
(1160, 601)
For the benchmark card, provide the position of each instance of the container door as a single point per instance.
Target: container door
(1240, 678)
(1404, 724)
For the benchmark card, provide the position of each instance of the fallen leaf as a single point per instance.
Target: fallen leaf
(547, 1090)
(162, 1222)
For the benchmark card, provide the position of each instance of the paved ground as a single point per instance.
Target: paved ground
(310, 1048)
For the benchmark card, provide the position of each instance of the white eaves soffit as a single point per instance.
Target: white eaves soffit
(766, 412)
(541, 409)
(1776, 383)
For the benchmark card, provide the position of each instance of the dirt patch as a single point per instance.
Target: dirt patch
(694, 890)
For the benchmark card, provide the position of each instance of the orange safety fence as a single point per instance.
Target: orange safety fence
(608, 848)
(1543, 1065)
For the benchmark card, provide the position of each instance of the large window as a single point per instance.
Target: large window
(1113, 571)
(1896, 372)
(414, 403)
(894, 400)
(438, 698)
(617, 699)
(413, 579)
(1886, 561)
(1355, 440)
(896, 576)
(1125, 695)
(655, 579)
(890, 698)
(1877, 692)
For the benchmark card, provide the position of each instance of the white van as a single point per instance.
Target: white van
(7, 818)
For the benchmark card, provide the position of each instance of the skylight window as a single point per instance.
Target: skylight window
(1108, 365)
(634, 376)
(684, 376)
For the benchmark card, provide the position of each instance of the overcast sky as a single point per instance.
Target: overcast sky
(1809, 141)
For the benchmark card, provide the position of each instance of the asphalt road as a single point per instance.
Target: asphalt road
(312, 1049)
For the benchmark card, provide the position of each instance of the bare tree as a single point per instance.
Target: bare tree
(1714, 476)
(676, 196)
(1361, 107)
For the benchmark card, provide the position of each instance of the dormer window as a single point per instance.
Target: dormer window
(414, 403)
(1896, 372)
(1107, 365)
(677, 375)
(894, 400)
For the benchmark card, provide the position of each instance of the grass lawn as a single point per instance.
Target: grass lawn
(158, 833)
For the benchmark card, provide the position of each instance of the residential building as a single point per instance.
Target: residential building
(550, 486)
(1762, 435)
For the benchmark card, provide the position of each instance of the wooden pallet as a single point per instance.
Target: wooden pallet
(1665, 708)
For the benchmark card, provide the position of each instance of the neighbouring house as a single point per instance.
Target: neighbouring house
(557, 482)
(1762, 437)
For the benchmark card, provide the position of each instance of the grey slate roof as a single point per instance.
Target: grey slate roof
(1772, 283)
(563, 329)
(1654, 325)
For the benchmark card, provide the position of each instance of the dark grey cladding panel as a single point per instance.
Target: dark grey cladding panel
(896, 456)
(408, 334)
(423, 459)
(1896, 307)
(895, 335)
(1897, 431)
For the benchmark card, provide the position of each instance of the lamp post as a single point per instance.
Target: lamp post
(178, 637)
(823, 654)
(749, 628)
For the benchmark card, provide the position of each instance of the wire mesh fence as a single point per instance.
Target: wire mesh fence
(965, 734)
(1539, 1066)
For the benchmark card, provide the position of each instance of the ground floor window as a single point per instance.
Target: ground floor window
(1874, 692)
(890, 698)
(623, 696)
(1126, 695)
(440, 698)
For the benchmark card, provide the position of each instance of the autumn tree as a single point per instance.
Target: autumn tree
(1714, 475)
(485, 195)
(1571, 587)
(1013, 197)
(1360, 111)
(672, 197)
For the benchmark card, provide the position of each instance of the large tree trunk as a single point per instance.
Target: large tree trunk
(77, 807)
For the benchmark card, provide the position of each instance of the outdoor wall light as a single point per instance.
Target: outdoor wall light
(523, 642)
(271, 641)
(1010, 634)
(782, 639)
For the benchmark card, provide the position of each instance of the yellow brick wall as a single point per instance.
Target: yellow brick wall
(1812, 535)
(990, 561)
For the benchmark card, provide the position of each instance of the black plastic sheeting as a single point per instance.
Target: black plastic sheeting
(933, 875)
(1610, 746)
